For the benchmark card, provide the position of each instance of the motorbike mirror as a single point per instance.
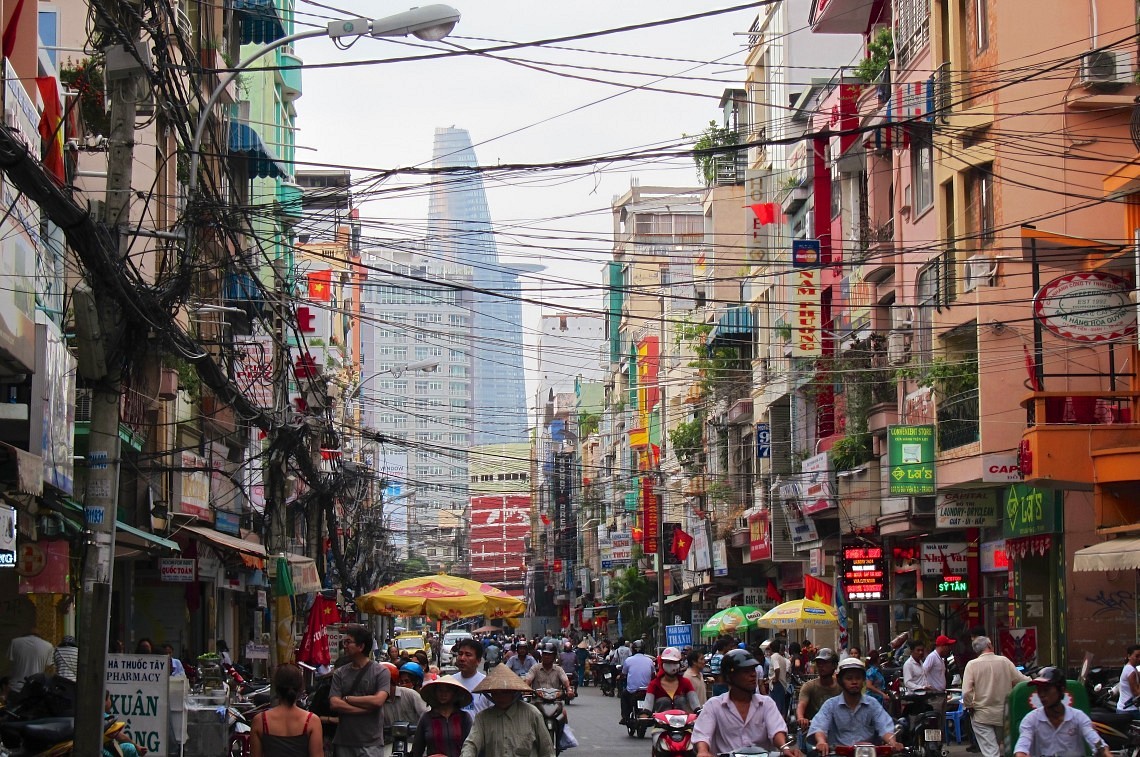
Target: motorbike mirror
(1085, 665)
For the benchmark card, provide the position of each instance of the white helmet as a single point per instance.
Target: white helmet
(671, 654)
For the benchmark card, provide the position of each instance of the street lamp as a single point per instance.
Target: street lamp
(396, 371)
(430, 23)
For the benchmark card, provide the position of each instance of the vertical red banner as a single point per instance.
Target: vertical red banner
(649, 515)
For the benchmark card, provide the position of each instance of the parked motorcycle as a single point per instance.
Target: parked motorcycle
(51, 736)
(1120, 730)
(920, 726)
(673, 735)
(549, 703)
(606, 679)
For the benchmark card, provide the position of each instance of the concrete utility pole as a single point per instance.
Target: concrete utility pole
(276, 466)
(664, 400)
(102, 497)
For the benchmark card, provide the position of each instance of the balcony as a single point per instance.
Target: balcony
(958, 421)
(1077, 440)
(290, 78)
(841, 16)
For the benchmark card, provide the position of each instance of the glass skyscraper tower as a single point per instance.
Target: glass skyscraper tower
(459, 230)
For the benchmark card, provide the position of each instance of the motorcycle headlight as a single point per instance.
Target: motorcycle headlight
(550, 709)
(676, 721)
(864, 751)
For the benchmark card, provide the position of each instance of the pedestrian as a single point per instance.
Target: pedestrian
(876, 681)
(778, 670)
(65, 658)
(568, 660)
(286, 730)
(986, 684)
(723, 644)
(223, 650)
(358, 694)
(144, 646)
(914, 675)
(176, 667)
(29, 654)
(404, 703)
(510, 727)
(817, 691)
(446, 724)
(1129, 681)
(695, 673)
(935, 669)
(467, 654)
(581, 655)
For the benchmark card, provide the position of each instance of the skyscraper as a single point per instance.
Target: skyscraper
(459, 230)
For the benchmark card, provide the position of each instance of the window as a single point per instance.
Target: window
(457, 370)
(457, 387)
(912, 28)
(457, 320)
(426, 352)
(836, 189)
(49, 32)
(982, 202)
(921, 167)
(456, 356)
(980, 24)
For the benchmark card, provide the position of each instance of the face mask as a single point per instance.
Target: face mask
(671, 667)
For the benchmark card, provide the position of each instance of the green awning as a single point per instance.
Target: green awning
(132, 535)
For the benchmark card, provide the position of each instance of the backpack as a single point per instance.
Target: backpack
(319, 700)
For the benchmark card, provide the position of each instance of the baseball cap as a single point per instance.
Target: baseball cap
(944, 639)
(826, 655)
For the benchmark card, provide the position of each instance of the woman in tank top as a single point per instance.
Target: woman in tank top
(286, 730)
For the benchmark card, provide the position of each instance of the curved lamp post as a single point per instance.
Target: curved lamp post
(430, 23)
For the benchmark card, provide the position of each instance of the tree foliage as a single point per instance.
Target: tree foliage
(632, 593)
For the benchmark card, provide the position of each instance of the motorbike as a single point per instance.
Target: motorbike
(492, 656)
(606, 680)
(550, 703)
(51, 736)
(1120, 730)
(401, 741)
(920, 726)
(640, 719)
(673, 735)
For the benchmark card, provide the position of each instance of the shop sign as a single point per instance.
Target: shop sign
(759, 537)
(910, 452)
(631, 502)
(966, 508)
(992, 557)
(702, 559)
(1090, 306)
(139, 687)
(864, 573)
(621, 548)
(679, 636)
(755, 241)
(944, 558)
(43, 567)
(253, 369)
(256, 651)
(1030, 512)
(720, 559)
(649, 516)
(806, 340)
(178, 570)
(7, 537)
(1001, 468)
(953, 585)
(800, 527)
(195, 479)
(817, 491)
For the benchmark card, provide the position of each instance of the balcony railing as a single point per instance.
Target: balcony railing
(958, 420)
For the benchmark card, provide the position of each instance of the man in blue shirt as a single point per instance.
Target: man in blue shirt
(522, 662)
(723, 644)
(853, 717)
(638, 671)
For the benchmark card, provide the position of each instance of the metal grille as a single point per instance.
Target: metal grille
(912, 30)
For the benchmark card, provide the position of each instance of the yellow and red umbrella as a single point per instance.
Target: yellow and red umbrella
(799, 613)
(441, 597)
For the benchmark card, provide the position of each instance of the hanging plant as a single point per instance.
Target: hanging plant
(86, 79)
(880, 50)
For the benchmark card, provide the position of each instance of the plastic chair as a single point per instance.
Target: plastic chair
(954, 722)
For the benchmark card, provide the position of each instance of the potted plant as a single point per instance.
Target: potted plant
(880, 50)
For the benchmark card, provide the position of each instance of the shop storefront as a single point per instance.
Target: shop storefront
(1034, 543)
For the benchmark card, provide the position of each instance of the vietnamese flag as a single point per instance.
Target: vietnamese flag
(315, 642)
(819, 591)
(320, 285)
(638, 534)
(51, 127)
(767, 213)
(682, 542)
(9, 41)
(774, 593)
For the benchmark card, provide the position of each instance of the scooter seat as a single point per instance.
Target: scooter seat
(1113, 719)
(43, 731)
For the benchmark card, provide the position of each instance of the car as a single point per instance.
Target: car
(448, 642)
(409, 642)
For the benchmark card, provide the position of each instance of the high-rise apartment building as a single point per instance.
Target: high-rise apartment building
(459, 231)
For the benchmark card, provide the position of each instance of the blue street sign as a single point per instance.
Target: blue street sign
(763, 441)
(679, 636)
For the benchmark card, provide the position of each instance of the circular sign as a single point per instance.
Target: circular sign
(1087, 307)
(32, 561)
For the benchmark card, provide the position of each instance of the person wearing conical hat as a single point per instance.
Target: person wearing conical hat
(511, 726)
(444, 727)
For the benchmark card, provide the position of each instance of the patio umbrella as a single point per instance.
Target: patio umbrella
(487, 629)
(730, 620)
(283, 609)
(800, 613)
(441, 597)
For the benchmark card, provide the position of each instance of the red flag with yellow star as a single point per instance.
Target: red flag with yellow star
(320, 286)
(315, 642)
(818, 591)
(682, 543)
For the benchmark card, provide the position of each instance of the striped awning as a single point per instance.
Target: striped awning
(246, 142)
(259, 21)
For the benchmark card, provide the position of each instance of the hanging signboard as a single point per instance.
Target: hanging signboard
(806, 341)
(138, 688)
(759, 537)
(910, 452)
(864, 573)
(966, 508)
(817, 492)
(621, 548)
(178, 570)
(944, 558)
(1090, 306)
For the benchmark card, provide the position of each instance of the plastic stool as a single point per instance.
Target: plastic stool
(954, 722)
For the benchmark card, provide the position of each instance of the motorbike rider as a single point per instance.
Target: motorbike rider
(1054, 729)
(669, 690)
(548, 674)
(637, 673)
(853, 717)
(521, 663)
(817, 691)
(741, 717)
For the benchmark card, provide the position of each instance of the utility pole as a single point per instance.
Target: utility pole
(664, 399)
(102, 497)
(276, 465)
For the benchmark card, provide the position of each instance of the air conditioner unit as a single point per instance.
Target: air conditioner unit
(1106, 67)
(902, 317)
(898, 348)
(980, 269)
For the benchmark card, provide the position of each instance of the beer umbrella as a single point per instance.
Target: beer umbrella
(441, 597)
(731, 620)
(800, 613)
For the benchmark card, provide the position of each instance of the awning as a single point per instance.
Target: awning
(737, 324)
(678, 598)
(246, 142)
(306, 579)
(260, 21)
(24, 468)
(225, 541)
(1117, 554)
(129, 535)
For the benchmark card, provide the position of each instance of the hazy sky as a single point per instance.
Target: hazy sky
(382, 116)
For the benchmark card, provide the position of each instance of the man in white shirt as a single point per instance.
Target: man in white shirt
(935, 668)
(466, 654)
(986, 683)
(1054, 729)
(914, 677)
(29, 654)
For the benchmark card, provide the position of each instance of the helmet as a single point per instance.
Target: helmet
(850, 664)
(826, 655)
(671, 654)
(737, 660)
(1050, 676)
(549, 648)
(392, 670)
(637, 645)
(414, 669)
